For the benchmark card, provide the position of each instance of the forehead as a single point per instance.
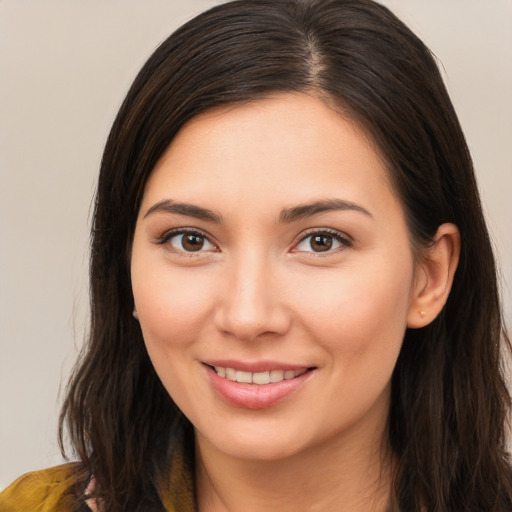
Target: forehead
(283, 147)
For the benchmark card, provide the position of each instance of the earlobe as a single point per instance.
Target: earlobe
(135, 314)
(434, 277)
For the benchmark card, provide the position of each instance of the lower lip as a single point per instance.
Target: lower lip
(255, 396)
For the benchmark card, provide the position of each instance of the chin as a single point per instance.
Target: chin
(258, 443)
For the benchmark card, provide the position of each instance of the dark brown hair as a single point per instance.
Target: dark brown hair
(449, 401)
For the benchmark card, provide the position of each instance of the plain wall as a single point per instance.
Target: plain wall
(64, 69)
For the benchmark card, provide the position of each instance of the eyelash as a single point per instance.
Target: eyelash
(166, 237)
(343, 240)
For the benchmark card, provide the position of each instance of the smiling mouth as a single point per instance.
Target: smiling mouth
(257, 378)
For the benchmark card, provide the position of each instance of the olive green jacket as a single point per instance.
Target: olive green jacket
(48, 491)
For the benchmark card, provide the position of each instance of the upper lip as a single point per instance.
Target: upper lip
(255, 366)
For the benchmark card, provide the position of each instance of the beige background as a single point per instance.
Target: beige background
(64, 68)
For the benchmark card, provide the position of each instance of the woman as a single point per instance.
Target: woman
(294, 300)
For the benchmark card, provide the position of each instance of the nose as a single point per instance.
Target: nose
(251, 303)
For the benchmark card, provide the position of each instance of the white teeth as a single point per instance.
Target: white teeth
(259, 378)
(276, 375)
(231, 374)
(245, 377)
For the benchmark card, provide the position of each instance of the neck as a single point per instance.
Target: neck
(340, 474)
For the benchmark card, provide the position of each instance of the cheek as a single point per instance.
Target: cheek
(360, 325)
(171, 306)
(361, 313)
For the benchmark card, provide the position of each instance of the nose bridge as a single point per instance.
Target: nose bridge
(250, 305)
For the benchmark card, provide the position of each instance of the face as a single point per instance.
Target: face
(272, 275)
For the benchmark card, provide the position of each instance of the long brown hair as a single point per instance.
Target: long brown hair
(449, 403)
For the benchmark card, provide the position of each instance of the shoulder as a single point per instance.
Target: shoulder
(48, 490)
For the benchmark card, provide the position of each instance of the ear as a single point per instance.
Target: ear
(434, 277)
(135, 314)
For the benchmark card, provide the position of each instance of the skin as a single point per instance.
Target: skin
(258, 290)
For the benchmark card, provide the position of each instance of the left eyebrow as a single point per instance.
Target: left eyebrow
(307, 210)
(190, 210)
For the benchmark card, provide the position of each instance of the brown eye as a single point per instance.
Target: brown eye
(190, 241)
(321, 243)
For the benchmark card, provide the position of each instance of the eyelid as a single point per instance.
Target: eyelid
(167, 235)
(344, 239)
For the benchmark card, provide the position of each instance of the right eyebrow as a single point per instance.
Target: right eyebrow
(190, 210)
(308, 210)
